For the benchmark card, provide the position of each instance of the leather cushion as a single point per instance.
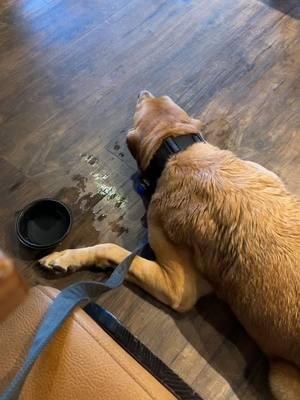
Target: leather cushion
(81, 362)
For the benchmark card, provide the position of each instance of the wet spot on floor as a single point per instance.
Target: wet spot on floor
(111, 192)
(90, 159)
(117, 146)
(101, 217)
(117, 228)
(89, 200)
(93, 197)
(93, 161)
(121, 202)
(80, 181)
(16, 185)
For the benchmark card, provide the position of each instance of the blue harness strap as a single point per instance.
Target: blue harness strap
(78, 294)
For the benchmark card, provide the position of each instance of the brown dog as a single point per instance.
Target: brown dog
(218, 223)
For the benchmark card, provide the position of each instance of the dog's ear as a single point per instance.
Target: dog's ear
(198, 124)
(132, 143)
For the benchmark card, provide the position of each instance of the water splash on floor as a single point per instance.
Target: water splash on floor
(111, 192)
(94, 188)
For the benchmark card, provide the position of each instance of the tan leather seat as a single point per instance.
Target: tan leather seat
(81, 362)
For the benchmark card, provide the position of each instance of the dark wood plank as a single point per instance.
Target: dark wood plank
(16, 192)
(69, 76)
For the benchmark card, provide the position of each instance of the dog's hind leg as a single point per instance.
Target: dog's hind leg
(284, 380)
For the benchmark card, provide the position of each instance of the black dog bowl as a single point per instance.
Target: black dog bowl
(43, 224)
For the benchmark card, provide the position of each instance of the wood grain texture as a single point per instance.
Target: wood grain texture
(69, 76)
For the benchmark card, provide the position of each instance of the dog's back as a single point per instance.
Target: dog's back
(247, 228)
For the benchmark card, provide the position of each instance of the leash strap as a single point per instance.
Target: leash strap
(78, 294)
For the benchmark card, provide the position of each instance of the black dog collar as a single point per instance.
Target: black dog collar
(169, 147)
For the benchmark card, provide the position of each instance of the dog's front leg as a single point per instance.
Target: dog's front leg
(172, 279)
(159, 280)
(77, 259)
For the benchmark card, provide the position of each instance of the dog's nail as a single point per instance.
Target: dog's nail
(58, 268)
(43, 265)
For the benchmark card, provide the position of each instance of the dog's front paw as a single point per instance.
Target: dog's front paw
(63, 261)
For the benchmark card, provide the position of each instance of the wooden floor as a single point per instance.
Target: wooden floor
(70, 72)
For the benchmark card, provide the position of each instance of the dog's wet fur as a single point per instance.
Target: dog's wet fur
(216, 223)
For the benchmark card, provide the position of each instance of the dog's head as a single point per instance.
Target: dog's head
(155, 119)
